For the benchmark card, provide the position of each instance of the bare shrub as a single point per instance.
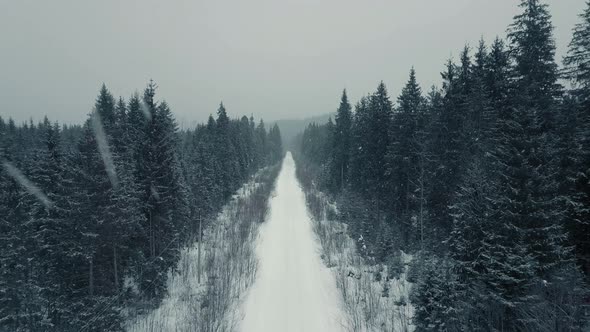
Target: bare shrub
(229, 267)
(374, 297)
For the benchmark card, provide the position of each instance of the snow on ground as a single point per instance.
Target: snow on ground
(229, 267)
(374, 296)
(293, 290)
(272, 277)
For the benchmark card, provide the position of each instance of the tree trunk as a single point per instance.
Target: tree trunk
(115, 266)
(407, 193)
(341, 175)
(422, 204)
(199, 252)
(152, 244)
(91, 278)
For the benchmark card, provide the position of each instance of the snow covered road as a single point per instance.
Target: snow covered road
(293, 291)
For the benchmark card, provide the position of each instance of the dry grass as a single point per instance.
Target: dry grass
(229, 267)
(372, 299)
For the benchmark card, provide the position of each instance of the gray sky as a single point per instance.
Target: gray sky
(275, 59)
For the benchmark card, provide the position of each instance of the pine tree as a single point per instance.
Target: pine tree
(371, 139)
(497, 78)
(532, 48)
(120, 131)
(202, 175)
(135, 127)
(64, 258)
(17, 310)
(257, 160)
(52, 225)
(243, 142)
(94, 193)
(105, 107)
(448, 147)
(403, 155)
(496, 166)
(576, 114)
(472, 221)
(275, 144)
(226, 152)
(261, 142)
(577, 60)
(526, 140)
(481, 113)
(381, 113)
(435, 297)
(359, 153)
(493, 263)
(403, 147)
(342, 142)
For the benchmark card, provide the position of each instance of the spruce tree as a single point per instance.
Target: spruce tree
(262, 142)
(435, 296)
(379, 121)
(52, 224)
(275, 144)
(342, 142)
(402, 156)
(16, 309)
(481, 116)
(403, 145)
(532, 49)
(576, 114)
(448, 146)
(226, 152)
(577, 60)
(497, 78)
(359, 153)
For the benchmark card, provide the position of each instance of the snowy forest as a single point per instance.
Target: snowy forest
(485, 180)
(92, 217)
(460, 207)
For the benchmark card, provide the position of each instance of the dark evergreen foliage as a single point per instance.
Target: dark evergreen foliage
(111, 219)
(486, 179)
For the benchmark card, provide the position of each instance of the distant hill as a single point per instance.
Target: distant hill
(291, 127)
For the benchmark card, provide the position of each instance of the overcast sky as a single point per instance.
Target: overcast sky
(276, 59)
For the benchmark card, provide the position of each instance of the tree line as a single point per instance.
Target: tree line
(486, 178)
(92, 217)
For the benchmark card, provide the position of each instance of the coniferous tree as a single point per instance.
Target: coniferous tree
(275, 144)
(435, 297)
(403, 155)
(577, 60)
(532, 48)
(482, 115)
(342, 142)
(448, 147)
(494, 170)
(226, 151)
(576, 114)
(381, 112)
(162, 188)
(76, 204)
(526, 133)
(261, 142)
(52, 224)
(358, 152)
(497, 78)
